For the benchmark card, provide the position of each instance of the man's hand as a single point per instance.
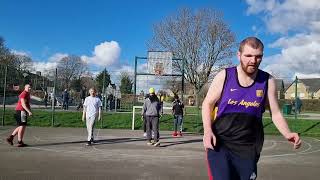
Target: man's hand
(142, 119)
(99, 118)
(209, 140)
(30, 113)
(294, 139)
(83, 118)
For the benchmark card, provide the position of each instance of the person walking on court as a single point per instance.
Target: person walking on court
(177, 111)
(23, 110)
(91, 112)
(151, 111)
(143, 118)
(233, 139)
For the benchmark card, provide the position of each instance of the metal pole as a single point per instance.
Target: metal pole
(115, 100)
(183, 64)
(4, 94)
(296, 99)
(54, 97)
(103, 90)
(135, 80)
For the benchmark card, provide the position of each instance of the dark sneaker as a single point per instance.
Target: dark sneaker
(157, 144)
(88, 143)
(21, 144)
(10, 140)
(92, 141)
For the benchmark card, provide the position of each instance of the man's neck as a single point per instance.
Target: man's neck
(244, 78)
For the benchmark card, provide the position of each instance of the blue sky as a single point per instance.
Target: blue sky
(47, 30)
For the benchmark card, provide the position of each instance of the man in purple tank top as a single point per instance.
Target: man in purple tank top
(233, 138)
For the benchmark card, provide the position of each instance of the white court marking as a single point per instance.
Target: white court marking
(308, 150)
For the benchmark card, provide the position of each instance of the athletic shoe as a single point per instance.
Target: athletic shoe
(174, 134)
(157, 144)
(144, 134)
(88, 143)
(152, 134)
(21, 144)
(10, 140)
(92, 141)
(150, 143)
(179, 134)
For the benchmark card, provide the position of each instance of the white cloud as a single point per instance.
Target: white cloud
(286, 15)
(298, 21)
(46, 66)
(104, 54)
(57, 57)
(21, 53)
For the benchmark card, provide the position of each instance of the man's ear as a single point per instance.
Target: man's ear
(238, 55)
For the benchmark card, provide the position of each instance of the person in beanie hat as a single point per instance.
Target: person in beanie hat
(151, 112)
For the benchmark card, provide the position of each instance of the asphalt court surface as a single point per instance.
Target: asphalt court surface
(60, 153)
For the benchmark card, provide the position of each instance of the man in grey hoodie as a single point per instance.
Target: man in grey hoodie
(151, 111)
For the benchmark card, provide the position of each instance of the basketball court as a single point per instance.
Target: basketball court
(60, 153)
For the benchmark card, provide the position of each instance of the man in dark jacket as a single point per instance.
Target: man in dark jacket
(65, 98)
(177, 111)
(83, 95)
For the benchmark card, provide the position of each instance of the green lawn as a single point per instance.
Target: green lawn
(192, 121)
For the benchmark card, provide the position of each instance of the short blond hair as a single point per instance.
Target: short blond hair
(252, 42)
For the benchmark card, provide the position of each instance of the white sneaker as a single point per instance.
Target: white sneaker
(144, 134)
(157, 144)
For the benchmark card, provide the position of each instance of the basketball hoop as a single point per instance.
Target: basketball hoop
(159, 62)
(158, 69)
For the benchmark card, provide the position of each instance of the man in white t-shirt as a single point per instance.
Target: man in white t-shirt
(91, 112)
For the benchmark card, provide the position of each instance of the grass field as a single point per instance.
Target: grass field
(192, 121)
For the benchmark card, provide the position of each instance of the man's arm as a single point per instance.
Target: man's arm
(277, 117)
(99, 115)
(213, 95)
(24, 105)
(84, 110)
(144, 108)
(100, 109)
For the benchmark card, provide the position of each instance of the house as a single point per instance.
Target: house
(306, 89)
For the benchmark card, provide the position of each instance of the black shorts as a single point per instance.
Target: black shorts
(21, 118)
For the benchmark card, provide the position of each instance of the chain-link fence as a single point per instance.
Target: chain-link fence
(47, 100)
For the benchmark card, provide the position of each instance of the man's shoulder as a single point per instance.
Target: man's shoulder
(23, 94)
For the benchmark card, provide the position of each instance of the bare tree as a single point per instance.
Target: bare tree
(202, 39)
(69, 68)
(23, 62)
(174, 84)
(6, 57)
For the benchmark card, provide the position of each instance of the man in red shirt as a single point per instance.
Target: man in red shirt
(22, 112)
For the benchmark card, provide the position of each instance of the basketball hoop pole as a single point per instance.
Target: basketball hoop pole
(4, 94)
(135, 80)
(182, 88)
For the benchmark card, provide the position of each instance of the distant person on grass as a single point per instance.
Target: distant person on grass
(23, 110)
(91, 112)
(65, 98)
(83, 95)
(234, 137)
(177, 111)
(151, 112)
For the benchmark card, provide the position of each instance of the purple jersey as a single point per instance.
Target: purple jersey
(238, 124)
